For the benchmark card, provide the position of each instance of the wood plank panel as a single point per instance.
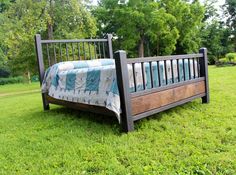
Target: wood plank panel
(162, 98)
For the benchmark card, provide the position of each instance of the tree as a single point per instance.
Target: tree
(161, 25)
(231, 21)
(53, 19)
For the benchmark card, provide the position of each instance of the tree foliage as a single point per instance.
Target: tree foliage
(51, 18)
(231, 21)
(165, 24)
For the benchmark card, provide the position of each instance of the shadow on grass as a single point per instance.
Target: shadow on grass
(97, 122)
(101, 123)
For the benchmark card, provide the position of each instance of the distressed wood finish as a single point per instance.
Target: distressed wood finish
(159, 99)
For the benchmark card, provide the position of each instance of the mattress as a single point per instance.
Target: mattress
(94, 82)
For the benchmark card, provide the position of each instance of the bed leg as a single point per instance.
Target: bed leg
(39, 53)
(204, 73)
(45, 102)
(127, 122)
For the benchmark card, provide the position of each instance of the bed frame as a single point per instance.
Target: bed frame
(138, 104)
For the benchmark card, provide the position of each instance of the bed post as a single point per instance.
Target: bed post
(39, 53)
(109, 38)
(127, 122)
(204, 73)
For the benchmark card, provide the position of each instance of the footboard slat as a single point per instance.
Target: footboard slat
(159, 99)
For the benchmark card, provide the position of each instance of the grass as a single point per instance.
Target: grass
(15, 88)
(191, 139)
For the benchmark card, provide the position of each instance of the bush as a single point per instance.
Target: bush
(11, 80)
(35, 78)
(231, 56)
(4, 73)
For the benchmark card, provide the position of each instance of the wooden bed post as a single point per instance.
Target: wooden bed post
(39, 53)
(127, 122)
(204, 73)
(109, 38)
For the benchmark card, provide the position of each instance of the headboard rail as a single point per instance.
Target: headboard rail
(50, 52)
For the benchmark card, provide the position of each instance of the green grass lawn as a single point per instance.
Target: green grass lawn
(191, 139)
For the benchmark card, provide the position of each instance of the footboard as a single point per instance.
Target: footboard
(166, 82)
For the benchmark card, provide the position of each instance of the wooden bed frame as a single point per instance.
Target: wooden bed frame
(138, 104)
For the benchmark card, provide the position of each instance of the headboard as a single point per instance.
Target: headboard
(50, 52)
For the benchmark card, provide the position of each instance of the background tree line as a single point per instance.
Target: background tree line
(141, 27)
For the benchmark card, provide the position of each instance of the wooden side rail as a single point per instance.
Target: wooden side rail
(142, 103)
(50, 52)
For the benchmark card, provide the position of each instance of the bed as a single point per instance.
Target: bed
(82, 74)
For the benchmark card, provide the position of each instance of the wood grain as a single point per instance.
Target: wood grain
(162, 98)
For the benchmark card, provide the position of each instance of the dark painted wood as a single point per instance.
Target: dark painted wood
(81, 106)
(159, 73)
(143, 75)
(204, 73)
(134, 77)
(123, 85)
(73, 41)
(109, 38)
(163, 58)
(151, 74)
(39, 54)
(172, 71)
(178, 70)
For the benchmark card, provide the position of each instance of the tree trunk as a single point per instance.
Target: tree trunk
(50, 22)
(141, 47)
(50, 31)
(29, 76)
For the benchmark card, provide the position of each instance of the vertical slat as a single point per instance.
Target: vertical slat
(134, 77)
(189, 69)
(73, 52)
(109, 38)
(127, 121)
(172, 71)
(84, 51)
(67, 55)
(90, 57)
(151, 73)
(95, 50)
(159, 73)
(178, 70)
(198, 67)
(48, 55)
(194, 73)
(54, 51)
(166, 76)
(104, 53)
(78, 45)
(204, 73)
(143, 75)
(60, 51)
(99, 50)
(184, 69)
(39, 54)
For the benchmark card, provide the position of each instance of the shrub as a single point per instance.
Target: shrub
(231, 56)
(35, 78)
(4, 73)
(11, 80)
